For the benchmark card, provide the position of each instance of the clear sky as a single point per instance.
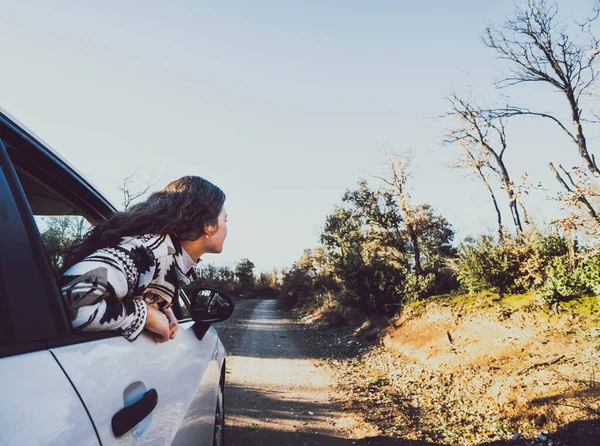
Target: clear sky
(282, 104)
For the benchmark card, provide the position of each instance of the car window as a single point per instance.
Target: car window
(62, 226)
(60, 235)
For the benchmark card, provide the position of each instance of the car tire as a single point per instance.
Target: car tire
(219, 430)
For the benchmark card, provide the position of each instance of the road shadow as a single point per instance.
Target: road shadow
(265, 411)
(576, 433)
(263, 405)
(270, 437)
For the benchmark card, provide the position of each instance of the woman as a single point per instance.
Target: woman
(128, 269)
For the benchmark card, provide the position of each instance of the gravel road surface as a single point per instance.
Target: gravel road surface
(279, 388)
(274, 394)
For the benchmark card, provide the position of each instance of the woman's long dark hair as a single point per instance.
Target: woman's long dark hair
(183, 208)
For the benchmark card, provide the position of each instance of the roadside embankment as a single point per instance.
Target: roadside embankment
(477, 369)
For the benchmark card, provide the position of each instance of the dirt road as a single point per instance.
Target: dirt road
(274, 395)
(278, 390)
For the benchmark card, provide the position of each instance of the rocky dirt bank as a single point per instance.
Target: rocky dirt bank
(465, 371)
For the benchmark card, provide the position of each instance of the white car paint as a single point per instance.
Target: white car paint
(39, 405)
(184, 372)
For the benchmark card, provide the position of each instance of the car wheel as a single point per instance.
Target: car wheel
(219, 432)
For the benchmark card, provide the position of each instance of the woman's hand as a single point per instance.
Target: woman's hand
(158, 324)
(173, 324)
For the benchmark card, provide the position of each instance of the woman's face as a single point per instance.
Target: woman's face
(216, 238)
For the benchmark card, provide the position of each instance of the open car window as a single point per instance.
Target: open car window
(61, 224)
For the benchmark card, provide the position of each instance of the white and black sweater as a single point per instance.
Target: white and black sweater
(109, 290)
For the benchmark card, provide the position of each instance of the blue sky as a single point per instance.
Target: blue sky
(280, 103)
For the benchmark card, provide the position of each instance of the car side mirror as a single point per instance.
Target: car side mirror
(210, 306)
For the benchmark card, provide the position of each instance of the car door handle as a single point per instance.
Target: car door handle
(125, 419)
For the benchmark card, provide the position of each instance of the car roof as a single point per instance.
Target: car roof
(20, 126)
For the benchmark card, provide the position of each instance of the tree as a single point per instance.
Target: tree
(371, 248)
(130, 195)
(435, 235)
(267, 280)
(482, 136)
(244, 272)
(540, 49)
(342, 234)
(396, 181)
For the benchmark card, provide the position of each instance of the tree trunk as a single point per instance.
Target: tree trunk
(514, 210)
(513, 205)
(489, 188)
(581, 141)
(417, 252)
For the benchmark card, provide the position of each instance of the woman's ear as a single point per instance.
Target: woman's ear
(209, 230)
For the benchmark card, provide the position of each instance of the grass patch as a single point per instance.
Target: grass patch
(584, 305)
(491, 302)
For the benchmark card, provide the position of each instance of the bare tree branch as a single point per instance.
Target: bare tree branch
(512, 111)
(540, 49)
(485, 131)
(580, 197)
(129, 195)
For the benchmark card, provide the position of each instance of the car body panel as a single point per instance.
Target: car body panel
(39, 405)
(198, 423)
(181, 371)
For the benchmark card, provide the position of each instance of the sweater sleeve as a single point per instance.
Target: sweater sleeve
(99, 292)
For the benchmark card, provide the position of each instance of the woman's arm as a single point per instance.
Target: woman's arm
(97, 292)
(159, 323)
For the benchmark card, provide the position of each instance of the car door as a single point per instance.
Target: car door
(111, 373)
(108, 371)
(39, 404)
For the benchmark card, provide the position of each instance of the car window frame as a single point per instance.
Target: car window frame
(22, 149)
(20, 280)
(182, 294)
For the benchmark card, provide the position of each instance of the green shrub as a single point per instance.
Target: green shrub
(380, 286)
(444, 281)
(486, 264)
(567, 278)
(297, 288)
(340, 316)
(548, 263)
(537, 252)
(590, 267)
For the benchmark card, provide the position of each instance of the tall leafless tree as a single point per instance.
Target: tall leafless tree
(396, 180)
(542, 49)
(482, 135)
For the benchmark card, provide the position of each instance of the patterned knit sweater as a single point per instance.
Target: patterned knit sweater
(110, 289)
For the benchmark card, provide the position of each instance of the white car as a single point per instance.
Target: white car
(63, 388)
